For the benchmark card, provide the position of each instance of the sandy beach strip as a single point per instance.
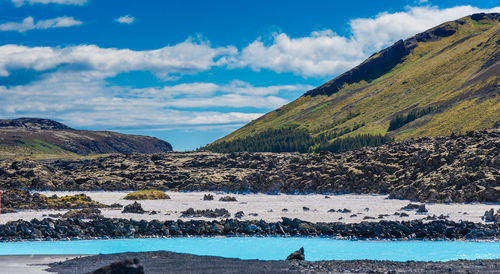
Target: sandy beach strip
(270, 208)
(32, 264)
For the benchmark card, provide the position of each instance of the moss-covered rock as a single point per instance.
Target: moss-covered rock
(23, 199)
(150, 194)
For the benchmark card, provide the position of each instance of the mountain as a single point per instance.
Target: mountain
(35, 136)
(442, 81)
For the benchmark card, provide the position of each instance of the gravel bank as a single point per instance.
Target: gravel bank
(168, 262)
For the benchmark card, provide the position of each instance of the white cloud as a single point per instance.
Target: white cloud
(72, 86)
(376, 33)
(20, 3)
(325, 53)
(29, 24)
(185, 57)
(88, 102)
(322, 53)
(207, 89)
(126, 19)
(229, 100)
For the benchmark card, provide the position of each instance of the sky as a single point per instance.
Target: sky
(190, 72)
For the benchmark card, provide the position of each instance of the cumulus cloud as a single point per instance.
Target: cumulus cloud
(325, 53)
(386, 28)
(72, 84)
(29, 24)
(235, 86)
(126, 19)
(19, 3)
(185, 57)
(86, 102)
(322, 53)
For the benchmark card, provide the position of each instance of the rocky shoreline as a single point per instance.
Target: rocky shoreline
(464, 168)
(107, 228)
(170, 262)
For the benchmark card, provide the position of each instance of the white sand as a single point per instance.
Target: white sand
(269, 207)
(30, 263)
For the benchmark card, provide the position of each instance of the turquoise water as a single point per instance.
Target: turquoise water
(272, 248)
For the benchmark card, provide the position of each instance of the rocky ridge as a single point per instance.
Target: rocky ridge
(51, 229)
(464, 168)
(28, 136)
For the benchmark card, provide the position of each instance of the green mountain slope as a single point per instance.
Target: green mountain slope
(442, 81)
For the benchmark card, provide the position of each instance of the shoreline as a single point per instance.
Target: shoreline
(107, 228)
(159, 261)
(345, 208)
(354, 239)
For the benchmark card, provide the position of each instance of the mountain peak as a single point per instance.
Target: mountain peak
(33, 123)
(444, 80)
(383, 61)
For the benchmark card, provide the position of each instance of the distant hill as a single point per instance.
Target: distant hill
(442, 81)
(35, 136)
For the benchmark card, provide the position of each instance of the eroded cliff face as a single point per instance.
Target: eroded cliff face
(374, 67)
(463, 168)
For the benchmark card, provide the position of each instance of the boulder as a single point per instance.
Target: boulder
(228, 199)
(239, 215)
(296, 255)
(422, 209)
(208, 197)
(126, 267)
(491, 216)
(86, 213)
(134, 208)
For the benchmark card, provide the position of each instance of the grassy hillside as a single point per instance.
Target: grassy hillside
(36, 138)
(442, 81)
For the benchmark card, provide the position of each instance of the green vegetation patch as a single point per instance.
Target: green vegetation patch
(403, 119)
(299, 140)
(150, 194)
(23, 199)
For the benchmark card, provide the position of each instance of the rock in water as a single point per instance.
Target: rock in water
(297, 255)
(126, 266)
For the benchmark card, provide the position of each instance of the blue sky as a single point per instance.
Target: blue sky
(190, 72)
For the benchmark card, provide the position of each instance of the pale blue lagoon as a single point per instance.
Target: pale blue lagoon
(269, 248)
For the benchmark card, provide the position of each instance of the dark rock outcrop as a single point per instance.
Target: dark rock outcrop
(296, 255)
(208, 213)
(374, 67)
(23, 199)
(228, 199)
(86, 213)
(122, 267)
(491, 216)
(57, 229)
(134, 208)
(208, 197)
(458, 168)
